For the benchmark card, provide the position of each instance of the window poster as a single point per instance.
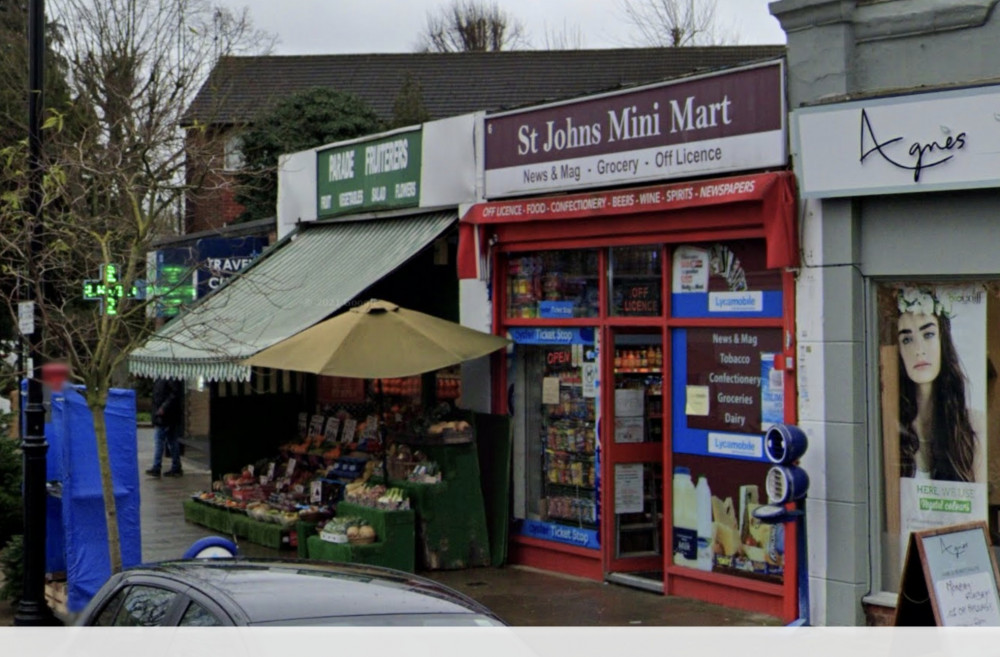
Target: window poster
(714, 500)
(725, 280)
(933, 360)
(735, 366)
(726, 393)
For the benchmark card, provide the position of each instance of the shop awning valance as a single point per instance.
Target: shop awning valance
(774, 193)
(303, 279)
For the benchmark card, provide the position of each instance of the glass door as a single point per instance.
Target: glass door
(635, 453)
(556, 411)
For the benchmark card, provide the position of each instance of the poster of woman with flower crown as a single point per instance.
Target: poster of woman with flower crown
(934, 336)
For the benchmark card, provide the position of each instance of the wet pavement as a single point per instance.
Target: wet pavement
(521, 596)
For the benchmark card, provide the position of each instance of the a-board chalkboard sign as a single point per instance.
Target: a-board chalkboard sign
(949, 578)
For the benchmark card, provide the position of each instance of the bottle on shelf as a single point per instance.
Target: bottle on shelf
(704, 496)
(685, 511)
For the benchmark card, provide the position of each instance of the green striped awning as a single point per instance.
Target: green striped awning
(302, 280)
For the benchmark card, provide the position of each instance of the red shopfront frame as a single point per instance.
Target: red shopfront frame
(758, 206)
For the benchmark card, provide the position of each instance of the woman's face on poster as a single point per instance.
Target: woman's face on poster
(920, 346)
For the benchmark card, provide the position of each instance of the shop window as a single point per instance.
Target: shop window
(938, 350)
(638, 389)
(556, 414)
(636, 275)
(726, 394)
(725, 280)
(553, 284)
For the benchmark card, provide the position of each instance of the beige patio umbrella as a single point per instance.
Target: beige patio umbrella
(378, 340)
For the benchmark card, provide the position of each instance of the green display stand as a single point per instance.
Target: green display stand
(237, 524)
(303, 530)
(451, 517)
(394, 548)
(495, 444)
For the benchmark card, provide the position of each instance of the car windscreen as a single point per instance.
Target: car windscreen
(392, 620)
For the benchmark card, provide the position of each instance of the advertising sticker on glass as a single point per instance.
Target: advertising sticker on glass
(934, 357)
(725, 280)
(725, 395)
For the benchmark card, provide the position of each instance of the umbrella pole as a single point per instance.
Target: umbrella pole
(383, 431)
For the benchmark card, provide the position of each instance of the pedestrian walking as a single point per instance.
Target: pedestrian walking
(168, 397)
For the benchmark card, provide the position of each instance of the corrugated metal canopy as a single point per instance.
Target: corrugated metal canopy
(301, 281)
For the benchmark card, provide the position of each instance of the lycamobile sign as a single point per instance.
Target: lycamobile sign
(370, 175)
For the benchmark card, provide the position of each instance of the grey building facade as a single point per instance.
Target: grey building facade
(896, 146)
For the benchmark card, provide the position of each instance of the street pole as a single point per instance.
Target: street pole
(32, 608)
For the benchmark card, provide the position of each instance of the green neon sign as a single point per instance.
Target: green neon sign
(109, 291)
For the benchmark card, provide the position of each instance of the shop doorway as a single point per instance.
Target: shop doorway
(634, 471)
(555, 405)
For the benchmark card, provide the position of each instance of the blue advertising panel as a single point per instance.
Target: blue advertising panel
(727, 280)
(725, 394)
(552, 335)
(724, 391)
(550, 531)
(221, 257)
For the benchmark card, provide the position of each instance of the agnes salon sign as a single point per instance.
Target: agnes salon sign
(918, 143)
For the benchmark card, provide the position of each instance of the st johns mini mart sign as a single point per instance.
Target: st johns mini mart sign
(711, 124)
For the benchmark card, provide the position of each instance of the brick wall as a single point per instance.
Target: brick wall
(213, 206)
(878, 615)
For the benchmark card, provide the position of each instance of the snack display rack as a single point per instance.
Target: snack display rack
(569, 452)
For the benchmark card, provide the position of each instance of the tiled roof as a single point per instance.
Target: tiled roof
(453, 83)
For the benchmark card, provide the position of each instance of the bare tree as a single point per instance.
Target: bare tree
(570, 37)
(472, 26)
(676, 23)
(113, 180)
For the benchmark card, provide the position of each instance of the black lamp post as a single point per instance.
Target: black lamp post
(32, 609)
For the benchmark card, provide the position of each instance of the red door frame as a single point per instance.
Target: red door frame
(704, 222)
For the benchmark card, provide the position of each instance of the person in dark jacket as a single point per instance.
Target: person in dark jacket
(168, 398)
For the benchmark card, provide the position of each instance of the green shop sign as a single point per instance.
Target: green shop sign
(372, 175)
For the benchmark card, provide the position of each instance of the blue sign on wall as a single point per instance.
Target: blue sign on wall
(550, 531)
(221, 257)
(552, 335)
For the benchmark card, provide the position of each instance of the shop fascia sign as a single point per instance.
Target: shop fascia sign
(719, 123)
(918, 143)
(657, 198)
(364, 175)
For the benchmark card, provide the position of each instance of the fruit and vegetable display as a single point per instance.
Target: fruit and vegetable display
(334, 458)
(378, 497)
(411, 464)
(347, 529)
(303, 482)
